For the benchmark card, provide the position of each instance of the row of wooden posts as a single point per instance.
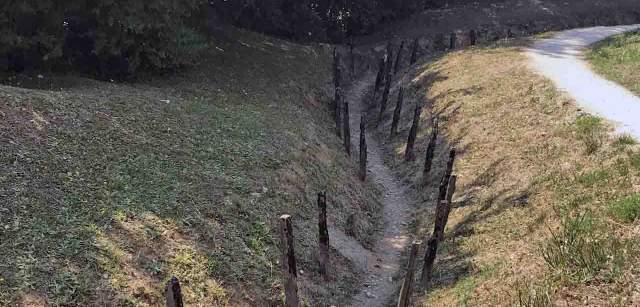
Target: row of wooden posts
(387, 68)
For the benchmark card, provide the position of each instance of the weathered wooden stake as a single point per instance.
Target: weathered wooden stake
(407, 285)
(414, 51)
(449, 168)
(289, 269)
(440, 219)
(385, 99)
(347, 129)
(363, 149)
(413, 133)
(323, 234)
(429, 259)
(452, 41)
(380, 76)
(398, 58)
(431, 149)
(353, 59)
(336, 68)
(472, 37)
(396, 113)
(450, 190)
(339, 113)
(173, 293)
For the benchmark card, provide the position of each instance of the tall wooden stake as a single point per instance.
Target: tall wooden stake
(385, 99)
(398, 58)
(414, 51)
(431, 149)
(429, 259)
(413, 133)
(450, 190)
(173, 293)
(289, 270)
(363, 149)
(472, 37)
(452, 41)
(347, 129)
(339, 112)
(407, 285)
(323, 234)
(380, 76)
(440, 219)
(396, 113)
(449, 168)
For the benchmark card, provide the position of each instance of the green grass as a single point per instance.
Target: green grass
(582, 248)
(627, 209)
(618, 58)
(591, 132)
(109, 189)
(624, 140)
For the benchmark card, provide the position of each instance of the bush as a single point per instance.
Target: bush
(102, 36)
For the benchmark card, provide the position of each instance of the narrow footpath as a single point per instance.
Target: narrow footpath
(382, 263)
(561, 59)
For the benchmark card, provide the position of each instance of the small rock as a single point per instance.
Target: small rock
(369, 294)
(301, 272)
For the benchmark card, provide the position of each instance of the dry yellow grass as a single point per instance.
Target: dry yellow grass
(523, 166)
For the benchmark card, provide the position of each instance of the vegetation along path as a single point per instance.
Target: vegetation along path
(383, 261)
(560, 58)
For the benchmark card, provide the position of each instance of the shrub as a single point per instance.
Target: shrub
(101, 35)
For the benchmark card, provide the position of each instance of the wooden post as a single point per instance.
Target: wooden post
(398, 58)
(353, 59)
(347, 129)
(429, 259)
(449, 168)
(396, 113)
(407, 285)
(440, 219)
(452, 41)
(385, 99)
(413, 133)
(380, 76)
(336, 68)
(414, 51)
(339, 112)
(439, 43)
(173, 293)
(288, 260)
(450, 190)
(431, 149)
(323, 234)
(363, 149)
(472, 37)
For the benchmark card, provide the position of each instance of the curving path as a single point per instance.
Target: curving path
(382, 263)
(560, 59)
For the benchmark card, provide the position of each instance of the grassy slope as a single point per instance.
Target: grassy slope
(618, 58)
(108, 189)
(528, 165)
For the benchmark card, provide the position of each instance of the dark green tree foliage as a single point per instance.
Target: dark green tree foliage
(107, 37)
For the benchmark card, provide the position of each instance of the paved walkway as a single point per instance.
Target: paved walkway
(560, 59)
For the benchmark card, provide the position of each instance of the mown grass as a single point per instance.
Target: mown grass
(109, 189)
(618, 58)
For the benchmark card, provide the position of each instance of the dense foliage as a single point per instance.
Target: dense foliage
(317, 19)
(107, 37)
(116, 38)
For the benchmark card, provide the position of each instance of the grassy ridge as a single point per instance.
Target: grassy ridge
(109, 189)
(618, 59)
(545, 206)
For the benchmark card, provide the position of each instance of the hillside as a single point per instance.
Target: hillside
(109, 189)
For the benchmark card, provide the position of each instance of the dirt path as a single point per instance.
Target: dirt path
(383, 262)
(560, 59)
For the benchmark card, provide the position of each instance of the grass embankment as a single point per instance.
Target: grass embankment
(109, 189)
(618, 59)
(546, 207)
